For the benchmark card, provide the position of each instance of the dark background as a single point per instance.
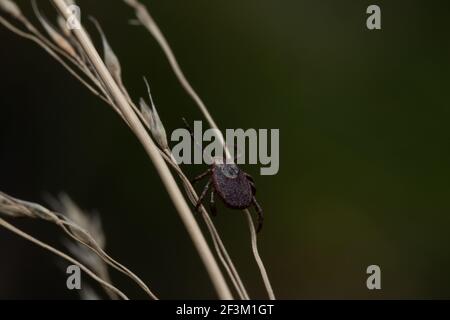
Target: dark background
(364, 158)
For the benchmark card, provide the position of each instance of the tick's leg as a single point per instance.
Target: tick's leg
(249, 177)
(252, 183)
(202, 196)
(212, 204)
(259, 212)
(198, 178)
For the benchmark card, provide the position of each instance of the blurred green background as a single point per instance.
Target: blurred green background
(364, 158)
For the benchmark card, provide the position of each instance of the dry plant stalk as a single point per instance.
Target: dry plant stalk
(104, 81)
(28, 237)
(122, 103)
(12, 207)
(90, 242)
(149, 23)
(75, 224)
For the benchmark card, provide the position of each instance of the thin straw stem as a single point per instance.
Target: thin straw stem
(52, 53)
(26, 236)
(258, 259)
(168, 180)
(149, 23)
(218, 243)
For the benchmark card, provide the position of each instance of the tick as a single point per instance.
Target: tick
(235, 187)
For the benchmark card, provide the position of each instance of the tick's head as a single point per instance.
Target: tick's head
(229, 170)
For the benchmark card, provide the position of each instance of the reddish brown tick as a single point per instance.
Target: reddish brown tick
(235, 187)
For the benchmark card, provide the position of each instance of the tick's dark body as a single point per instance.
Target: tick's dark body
(235, 187)
(235, 191)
